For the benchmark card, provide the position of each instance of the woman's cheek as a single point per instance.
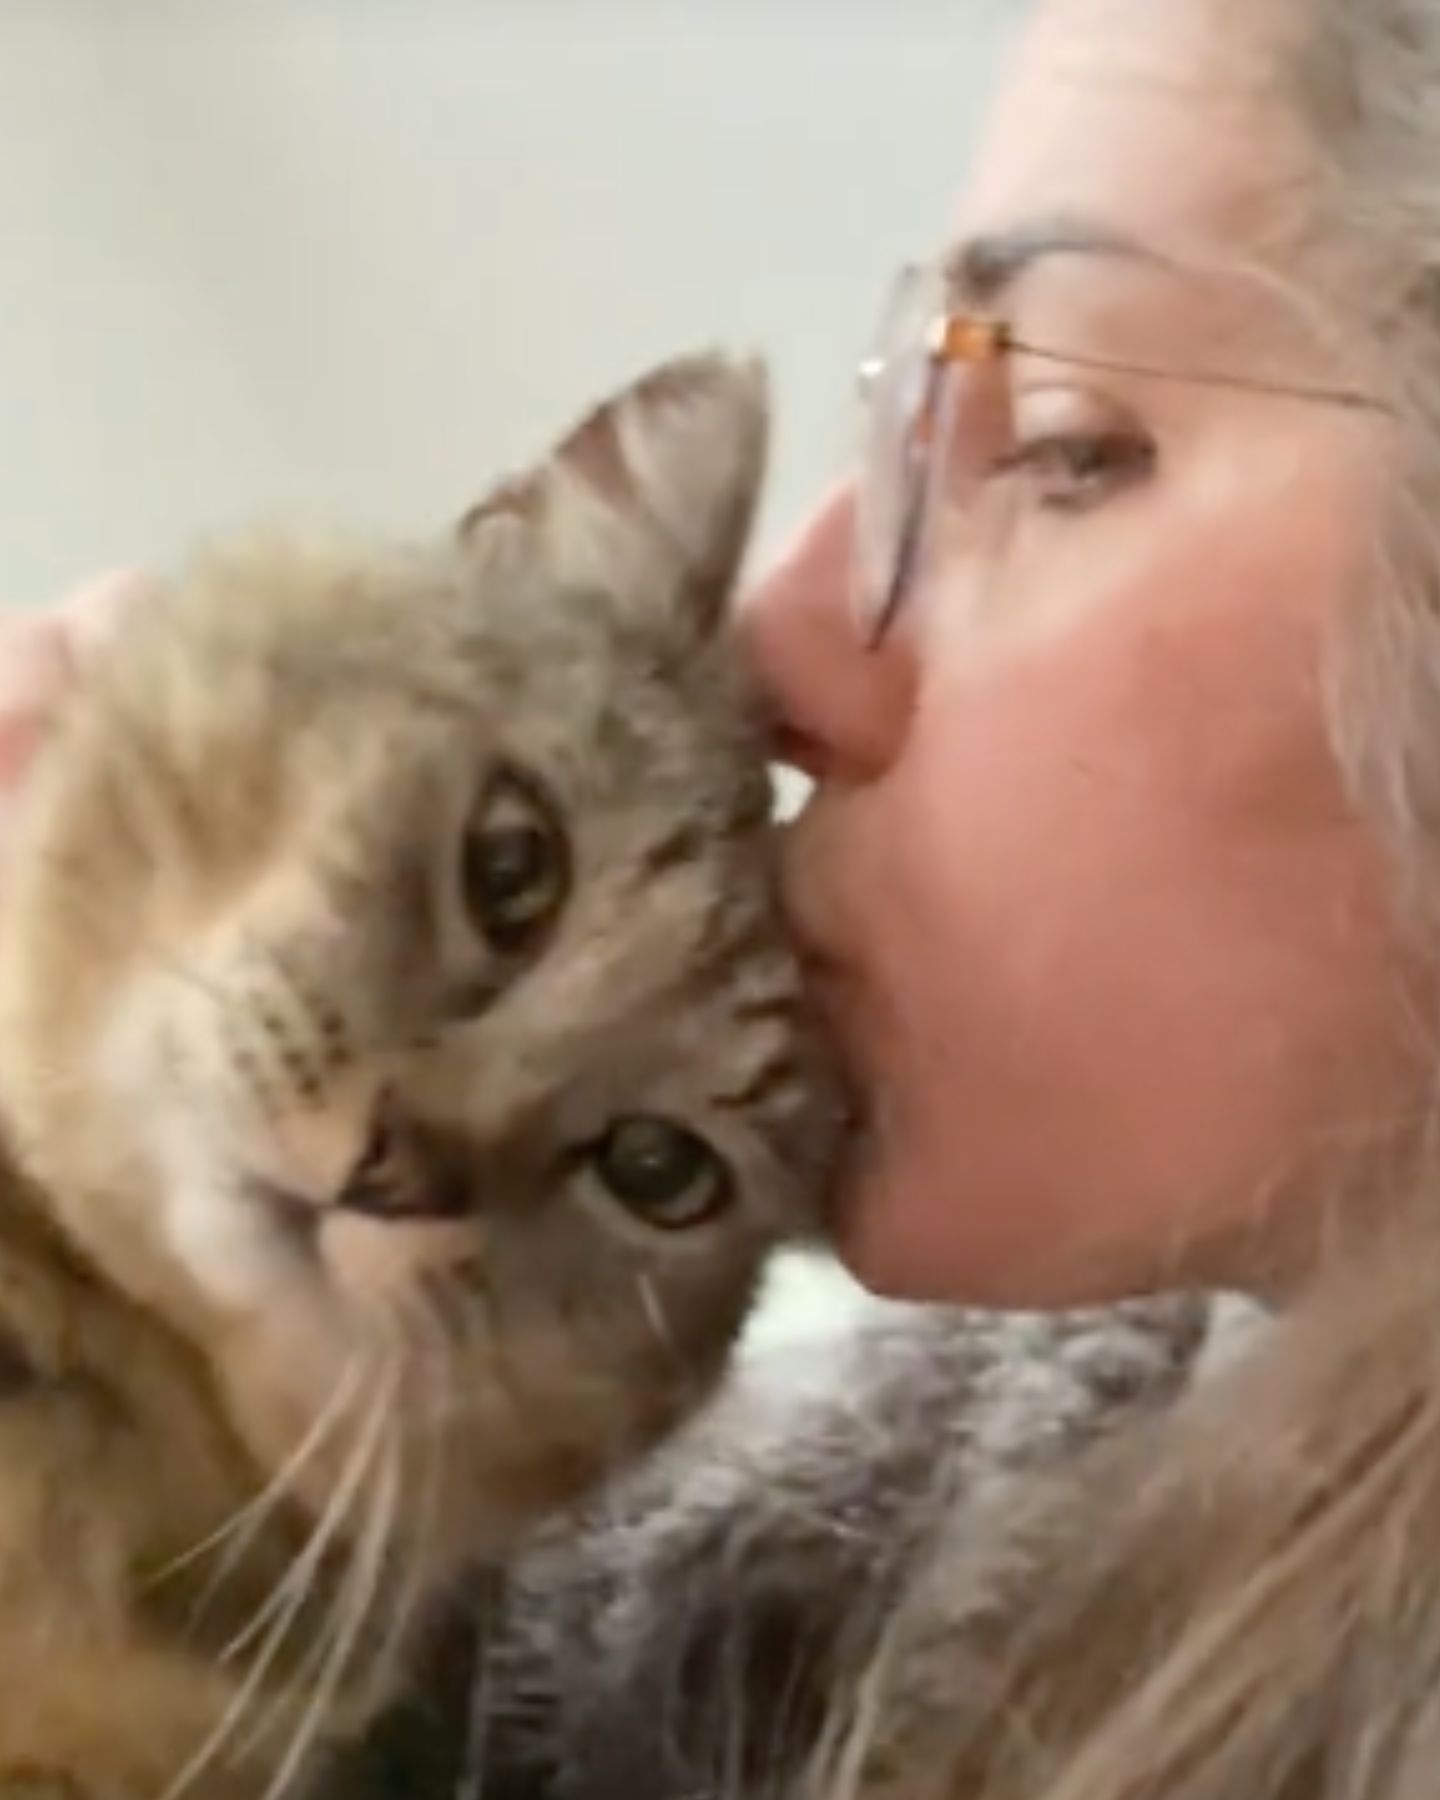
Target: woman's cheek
(1086, 979)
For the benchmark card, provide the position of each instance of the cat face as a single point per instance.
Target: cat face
(392, 994)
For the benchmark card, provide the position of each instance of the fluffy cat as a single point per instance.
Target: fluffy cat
(403, 1077)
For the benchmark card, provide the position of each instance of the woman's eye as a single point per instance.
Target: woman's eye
(514, 866)
(1072, 472)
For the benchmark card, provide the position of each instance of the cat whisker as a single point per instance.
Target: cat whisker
(477, 1296)
(289, 1597)
(439, 1320)
(447, 1305)
(435, 1322)
(315, 1656)
(654, 1311)
(429, 1454)
(426, 1324)
(354, 1609)
(454, 1308)
(241, 1528)
(300, 1578)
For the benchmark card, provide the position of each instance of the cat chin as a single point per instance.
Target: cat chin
(240, 1250)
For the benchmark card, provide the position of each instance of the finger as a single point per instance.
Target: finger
(41, 653)
(90, 614)
(35, 671)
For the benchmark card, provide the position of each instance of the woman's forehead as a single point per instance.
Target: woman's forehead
(1141, 194)
(1155, 122)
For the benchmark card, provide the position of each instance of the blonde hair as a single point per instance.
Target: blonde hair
(1365, 81)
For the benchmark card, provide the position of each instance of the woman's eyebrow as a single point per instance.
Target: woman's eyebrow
(987, 266)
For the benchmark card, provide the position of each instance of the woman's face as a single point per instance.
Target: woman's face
(1106, 945)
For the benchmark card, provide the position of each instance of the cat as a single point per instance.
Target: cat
(783, 1602)
(404, 1077)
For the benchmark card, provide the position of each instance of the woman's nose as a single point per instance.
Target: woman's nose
(841, 707)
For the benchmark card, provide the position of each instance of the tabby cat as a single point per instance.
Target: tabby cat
(403, 1078)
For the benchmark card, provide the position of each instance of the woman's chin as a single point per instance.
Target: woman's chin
(884, 1232)
(907, 1234)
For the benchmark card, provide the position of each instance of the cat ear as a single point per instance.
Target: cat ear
(650, 498)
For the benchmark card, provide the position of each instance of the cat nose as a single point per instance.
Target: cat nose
(405, 1172)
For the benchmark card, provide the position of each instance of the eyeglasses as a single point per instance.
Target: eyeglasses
(906, 388)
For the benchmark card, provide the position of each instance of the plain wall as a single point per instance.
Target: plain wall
(351, 257)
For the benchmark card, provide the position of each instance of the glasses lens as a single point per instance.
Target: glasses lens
(898, 398)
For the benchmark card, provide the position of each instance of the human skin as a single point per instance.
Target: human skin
(1110, 952)
(42, 652)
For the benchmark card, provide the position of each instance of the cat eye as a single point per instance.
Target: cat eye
(515, 866)
(662, 1173)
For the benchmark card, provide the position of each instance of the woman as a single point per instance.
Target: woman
(1089, 765)
(1115, 666)
(1118, 874)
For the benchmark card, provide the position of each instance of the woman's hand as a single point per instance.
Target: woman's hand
(41, 653)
